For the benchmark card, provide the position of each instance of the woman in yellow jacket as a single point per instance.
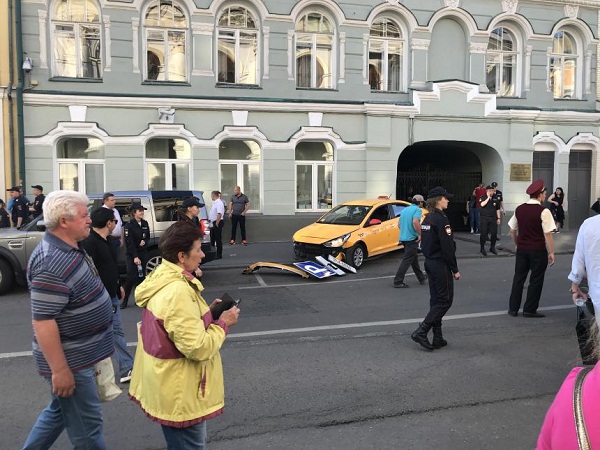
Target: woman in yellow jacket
(177, 374)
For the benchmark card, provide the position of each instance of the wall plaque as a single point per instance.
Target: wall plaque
(520, 172)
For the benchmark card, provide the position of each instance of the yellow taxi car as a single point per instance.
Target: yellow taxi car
(356, 230)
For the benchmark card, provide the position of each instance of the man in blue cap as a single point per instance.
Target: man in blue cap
(531, 230)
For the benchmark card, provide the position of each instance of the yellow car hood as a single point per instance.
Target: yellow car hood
(318, 233)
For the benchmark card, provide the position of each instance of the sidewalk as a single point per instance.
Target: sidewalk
(280, 251)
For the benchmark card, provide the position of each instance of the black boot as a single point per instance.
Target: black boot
(438, 339)
(420, 336)
(493, 250)
(123, 304)
(482, 251)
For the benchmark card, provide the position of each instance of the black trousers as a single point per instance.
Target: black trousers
(216, 237)
(234, 223)
(441, 290)
(488, 225)
(410, 259)
(133, 276)
(535, 261)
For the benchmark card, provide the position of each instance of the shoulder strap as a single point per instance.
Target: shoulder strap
(582, 436)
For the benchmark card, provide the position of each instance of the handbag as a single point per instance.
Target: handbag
(583, 441)
(104, 373)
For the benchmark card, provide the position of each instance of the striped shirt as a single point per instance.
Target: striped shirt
(65, 287)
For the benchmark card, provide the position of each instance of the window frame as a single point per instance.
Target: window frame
(166, 30)
(236, 42)
(385, 41)
(315, 164)
(168, 163)
(517, 70)
(80, 162)
(76, 30)
(314, 47)
(578, 69)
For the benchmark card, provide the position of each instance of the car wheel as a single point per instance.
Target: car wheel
(7, 277)
(153, 262)
(356, 255)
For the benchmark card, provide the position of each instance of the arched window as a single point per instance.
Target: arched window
(239, 164)
(76, 39)
(238, 46)
(165, 33)
(168, 163)
(385, 56)
(501, 63)
(314, 51)
(314, 175)
(563, 66)
(81, 164)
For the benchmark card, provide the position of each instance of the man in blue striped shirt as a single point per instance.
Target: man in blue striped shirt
(72, 323)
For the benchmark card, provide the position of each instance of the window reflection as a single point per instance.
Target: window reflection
(239, 162)
(81, 164)
(314, 175)
(501, 63)
(563, 66)
(385, 56)
(168, 163)
(76, 39)
(237, 42)
(165, 26)
(314, 52)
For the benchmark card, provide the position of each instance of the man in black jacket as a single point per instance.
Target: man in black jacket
(99, 248)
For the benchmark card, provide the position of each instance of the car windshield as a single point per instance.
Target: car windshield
(346, 215)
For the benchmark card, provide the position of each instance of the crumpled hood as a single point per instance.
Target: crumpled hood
(160, 277)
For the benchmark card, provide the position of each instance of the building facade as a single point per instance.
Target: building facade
(306, 104)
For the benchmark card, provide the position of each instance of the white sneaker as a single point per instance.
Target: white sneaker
(126, 377)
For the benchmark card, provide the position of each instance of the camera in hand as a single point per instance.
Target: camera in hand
(227, 302)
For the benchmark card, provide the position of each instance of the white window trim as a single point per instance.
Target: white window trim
(236, 50)
(103, 51)
(519, 71)
(168, 131)
(335, 65)
(168, 171)
(144, 38)
(314, 183)
(405, 50)
(239, 163)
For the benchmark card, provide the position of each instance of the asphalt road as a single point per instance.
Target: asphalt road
(330, 364)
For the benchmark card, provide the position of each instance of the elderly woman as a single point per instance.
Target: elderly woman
(177, 373)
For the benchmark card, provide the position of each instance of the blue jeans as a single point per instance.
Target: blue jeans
(189, 438)
(80, 414)
(124, 359)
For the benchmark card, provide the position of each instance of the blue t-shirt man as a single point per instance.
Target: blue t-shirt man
(407, 229)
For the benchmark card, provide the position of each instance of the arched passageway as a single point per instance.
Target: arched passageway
(456, 165)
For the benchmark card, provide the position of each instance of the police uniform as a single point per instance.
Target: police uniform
(38, 203)
(135, 233)
(439, 249)
(20, 208)
(488, 220)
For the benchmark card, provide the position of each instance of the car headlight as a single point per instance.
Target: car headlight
(337, 242)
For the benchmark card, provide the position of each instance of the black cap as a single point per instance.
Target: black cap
(14, 189)
(136, 207)
(37, 186)
(439, 191)
(494, 185)
(192, 201)
(489, 186)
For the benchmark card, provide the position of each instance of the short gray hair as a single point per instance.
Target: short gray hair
(62, 205)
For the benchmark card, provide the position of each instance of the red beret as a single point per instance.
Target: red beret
(535, 188)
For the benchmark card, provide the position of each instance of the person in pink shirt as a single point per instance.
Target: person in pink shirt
(558, 430)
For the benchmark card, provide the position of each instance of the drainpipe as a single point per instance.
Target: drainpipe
(20, 125)
(411, 129)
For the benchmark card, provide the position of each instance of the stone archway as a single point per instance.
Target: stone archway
(455, 165)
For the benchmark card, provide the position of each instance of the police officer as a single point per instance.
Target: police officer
(489, 220)
(137, 233)
(500, 198)
(439, 250)
(20, 208)
(37, 208)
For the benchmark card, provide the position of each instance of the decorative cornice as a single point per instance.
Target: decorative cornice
(202, 28)
(478, 47)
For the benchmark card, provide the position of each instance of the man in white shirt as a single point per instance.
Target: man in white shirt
(586, 262)
(116, 239)
(216, 216)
